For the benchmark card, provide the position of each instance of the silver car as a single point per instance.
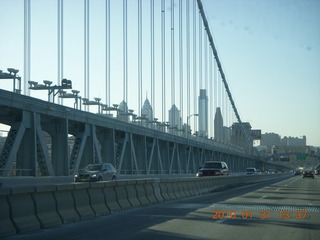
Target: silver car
(96, 172)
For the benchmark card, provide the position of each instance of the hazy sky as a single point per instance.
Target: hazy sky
(270, 51)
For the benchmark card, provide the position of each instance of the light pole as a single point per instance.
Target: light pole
(65, 84)
(12, 75)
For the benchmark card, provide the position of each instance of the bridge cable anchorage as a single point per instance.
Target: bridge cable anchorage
(215, 53)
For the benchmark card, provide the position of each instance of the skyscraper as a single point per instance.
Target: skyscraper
(218, 126)
(203, 113)
(174, 118)
(147, 110)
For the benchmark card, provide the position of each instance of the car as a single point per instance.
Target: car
(251, 170)
(259, 171)
(213, 168)
(96, 172)
(271, 171)
(308, 173)
(298, 172)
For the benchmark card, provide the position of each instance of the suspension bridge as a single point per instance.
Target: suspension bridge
(147, 88)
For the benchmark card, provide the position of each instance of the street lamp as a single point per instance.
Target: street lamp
(12, 75)
(114, 108)
(65, 84)
(95, 102)
(74, 94)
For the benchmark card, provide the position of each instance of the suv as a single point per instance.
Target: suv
(308, 173)
(213, 168)
(96, 172)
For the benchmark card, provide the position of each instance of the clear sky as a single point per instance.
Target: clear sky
(270, 51)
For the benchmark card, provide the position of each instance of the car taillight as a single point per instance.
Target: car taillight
(312, 172)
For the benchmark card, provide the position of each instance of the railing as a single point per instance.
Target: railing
(14, 172)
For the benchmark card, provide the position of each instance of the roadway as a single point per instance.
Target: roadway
(52, 180)
(287, 208)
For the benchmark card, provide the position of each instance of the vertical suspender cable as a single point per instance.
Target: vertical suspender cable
(60, 44)
(188, 56)
(140, 56)
(205, 43)
(200, 54)
(108, 52)
(25, 60)
(85, 51)
(172, 58)
(88, 52)
(211, 111)
(59, 40)
(125, 53)
(27, 44)
(181, 59)
(163, 59)
(194, 64)
(152, 57)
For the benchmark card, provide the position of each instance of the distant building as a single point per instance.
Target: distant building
(270, 139)
(294, 141)
(237, 137)
(203, 113)
(123, 111)
(174, 119)
(218, 126)
(227, 133)
(147, 110)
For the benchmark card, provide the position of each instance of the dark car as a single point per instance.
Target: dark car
(213, 168)
(298, 172)
(96, 172)
(308, 173)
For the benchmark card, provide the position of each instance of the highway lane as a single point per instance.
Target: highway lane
(291, 211)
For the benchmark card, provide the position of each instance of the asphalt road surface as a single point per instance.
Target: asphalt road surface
(278, 209)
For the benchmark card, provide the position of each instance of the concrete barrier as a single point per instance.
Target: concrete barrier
(170, 189)
(192, 188)
(132, 193)
(149, 191)
(26, 208)
(46, 207)
(111, 196)
(97, 198)
(175, 188)
(122, 196)
(181, 189)
(82, 200)
(65, 203)
(141, 192)
(6, 225)
(156, 190)
(23, 210)
(164, 190)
